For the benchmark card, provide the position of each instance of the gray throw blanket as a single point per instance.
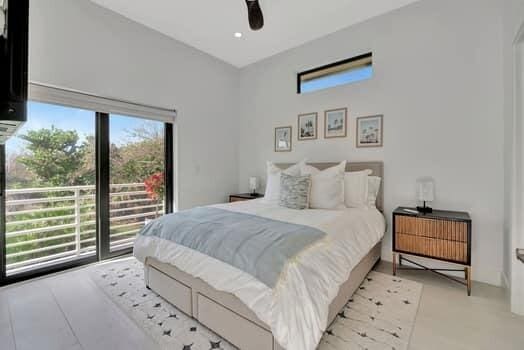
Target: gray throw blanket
(256, 245)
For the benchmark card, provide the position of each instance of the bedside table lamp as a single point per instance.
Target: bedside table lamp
(425, 193)
(253, 185)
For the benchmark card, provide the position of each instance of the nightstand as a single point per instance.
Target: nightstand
(440, 235)
(244, 197)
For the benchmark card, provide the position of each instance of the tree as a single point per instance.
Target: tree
(17, 174)
(54, 156)
(141, 156)
(86, 174)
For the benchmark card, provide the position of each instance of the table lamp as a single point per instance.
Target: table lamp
(253, 185)
(425, 193)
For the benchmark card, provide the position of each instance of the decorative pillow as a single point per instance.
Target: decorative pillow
(356, 188)
(294, 191)
(273, 180)
(327, 186)
(373, 189)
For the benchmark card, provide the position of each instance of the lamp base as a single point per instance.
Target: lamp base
(425, 210)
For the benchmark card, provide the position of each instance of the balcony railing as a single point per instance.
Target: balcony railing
(52, 224)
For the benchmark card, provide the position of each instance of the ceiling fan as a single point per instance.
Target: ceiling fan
(256, 18)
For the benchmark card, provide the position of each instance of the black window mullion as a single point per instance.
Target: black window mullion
(169, 168)
(102, 185)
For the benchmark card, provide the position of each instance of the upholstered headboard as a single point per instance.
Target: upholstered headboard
(377, 169)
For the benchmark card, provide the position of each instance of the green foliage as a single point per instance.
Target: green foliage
(54, 156)
(57, 157)
(138, 158)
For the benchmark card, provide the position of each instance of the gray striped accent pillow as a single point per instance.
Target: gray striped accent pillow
(294, 191)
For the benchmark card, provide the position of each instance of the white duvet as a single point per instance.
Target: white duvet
(297, 308)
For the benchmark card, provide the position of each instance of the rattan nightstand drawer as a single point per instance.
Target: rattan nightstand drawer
(432, 228)
(437, 248)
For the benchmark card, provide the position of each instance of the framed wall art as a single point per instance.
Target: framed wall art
(283, 139)
(335, 123)
(307, 126)
(369, 131)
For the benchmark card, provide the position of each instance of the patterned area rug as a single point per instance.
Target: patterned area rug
(380, 315)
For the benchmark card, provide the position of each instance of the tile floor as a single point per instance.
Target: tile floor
(68, 311)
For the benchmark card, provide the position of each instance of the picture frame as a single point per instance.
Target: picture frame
(335, 123)
(283, 136)
(370, 131)
(307, 126)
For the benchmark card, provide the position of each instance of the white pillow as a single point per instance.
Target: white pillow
(373, 189)
(327, 186)
(356, 188)
(272, 194)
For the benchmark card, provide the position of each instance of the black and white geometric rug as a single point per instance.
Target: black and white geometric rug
(380, 315)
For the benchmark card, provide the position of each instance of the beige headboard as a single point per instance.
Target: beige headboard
(377, 169)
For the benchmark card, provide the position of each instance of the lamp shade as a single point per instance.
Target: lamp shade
(426, 189)
(253, 183)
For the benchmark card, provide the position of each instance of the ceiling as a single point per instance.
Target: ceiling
(210, 25)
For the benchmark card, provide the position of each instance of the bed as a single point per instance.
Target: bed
(294, 312)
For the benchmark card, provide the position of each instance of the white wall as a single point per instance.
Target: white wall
(78, 45)
(516, 238)
(513, 55)
(438, 82)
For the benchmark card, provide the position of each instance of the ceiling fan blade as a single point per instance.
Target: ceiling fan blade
(256, 18)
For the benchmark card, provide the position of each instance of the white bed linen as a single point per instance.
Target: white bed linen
(297, 308)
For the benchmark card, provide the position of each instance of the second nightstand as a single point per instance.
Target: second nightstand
(441, 235)
(244, 197)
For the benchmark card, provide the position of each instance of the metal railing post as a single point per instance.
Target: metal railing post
(77, 221)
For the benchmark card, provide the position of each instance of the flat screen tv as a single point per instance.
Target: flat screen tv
(14, 28)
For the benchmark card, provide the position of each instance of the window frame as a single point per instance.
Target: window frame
(329, 66)
(102, 142)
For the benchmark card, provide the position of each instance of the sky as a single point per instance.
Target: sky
(42, 115)
(342, 78)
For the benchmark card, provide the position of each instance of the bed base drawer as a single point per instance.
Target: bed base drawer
(243, 333)
(170, 289)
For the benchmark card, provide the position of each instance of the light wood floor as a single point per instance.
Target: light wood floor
(448, 319)
(68, 311)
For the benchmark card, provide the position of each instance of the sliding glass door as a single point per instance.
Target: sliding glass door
(50, 189)
(78, 186)
(137, 186)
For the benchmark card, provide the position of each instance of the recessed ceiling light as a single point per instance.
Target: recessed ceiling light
(238, 35)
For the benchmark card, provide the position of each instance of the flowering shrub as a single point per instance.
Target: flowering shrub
(155, 186)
